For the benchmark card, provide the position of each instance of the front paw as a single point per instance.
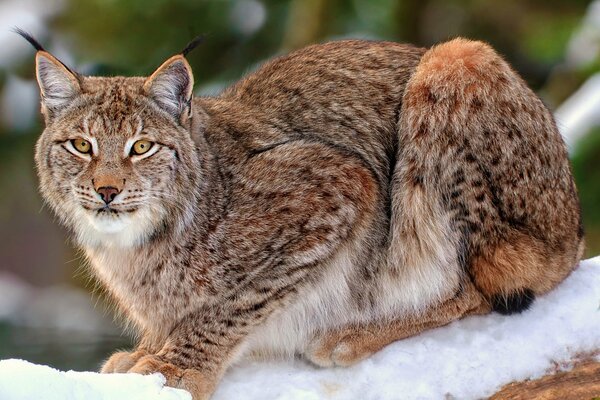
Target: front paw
(122, 361)
(199, 384)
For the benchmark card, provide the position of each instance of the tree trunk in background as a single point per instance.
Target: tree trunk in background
(409, 23)
(307, 22)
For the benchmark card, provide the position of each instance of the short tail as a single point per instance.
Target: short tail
(483, 167)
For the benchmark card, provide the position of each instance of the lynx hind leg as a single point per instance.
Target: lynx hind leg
(352, 344)
(481, 143)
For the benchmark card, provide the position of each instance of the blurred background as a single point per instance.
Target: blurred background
(47, 314)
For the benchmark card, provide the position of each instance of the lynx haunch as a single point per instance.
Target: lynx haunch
(340, 198)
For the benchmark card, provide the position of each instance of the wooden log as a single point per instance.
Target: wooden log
(580, 383)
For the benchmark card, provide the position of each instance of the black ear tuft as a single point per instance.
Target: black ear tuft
(513, 303)
(27, 36)
(58, 84)
(192, 45)
(34, 42)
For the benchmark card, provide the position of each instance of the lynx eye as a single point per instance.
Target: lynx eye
(141, 146)
(81, 145)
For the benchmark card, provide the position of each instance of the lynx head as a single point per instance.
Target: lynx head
(116, 161)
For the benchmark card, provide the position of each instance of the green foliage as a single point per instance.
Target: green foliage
(135, 36)
(548, 35)
(586, 169)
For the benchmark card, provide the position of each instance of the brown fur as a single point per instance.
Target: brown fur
(337, 199)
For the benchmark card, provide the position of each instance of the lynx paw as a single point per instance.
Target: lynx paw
(188, 379)
(340, 349)
(121, 361)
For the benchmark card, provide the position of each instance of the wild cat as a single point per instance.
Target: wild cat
(335, 200)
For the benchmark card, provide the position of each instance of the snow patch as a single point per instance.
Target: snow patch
(468, 359)
(21, 380)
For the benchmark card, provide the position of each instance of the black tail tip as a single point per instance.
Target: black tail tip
(513, 303)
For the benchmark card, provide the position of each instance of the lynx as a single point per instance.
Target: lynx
(339, 198)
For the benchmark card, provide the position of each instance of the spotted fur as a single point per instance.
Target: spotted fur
(339, 198)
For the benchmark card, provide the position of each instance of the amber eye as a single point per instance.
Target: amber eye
(141, 147)
(81, 145)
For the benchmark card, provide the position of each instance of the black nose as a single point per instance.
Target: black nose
(108, 193)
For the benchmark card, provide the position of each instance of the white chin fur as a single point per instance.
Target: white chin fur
(121, 230)
(109, 223)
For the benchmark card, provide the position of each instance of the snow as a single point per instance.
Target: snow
(21, 380)
(468, 359)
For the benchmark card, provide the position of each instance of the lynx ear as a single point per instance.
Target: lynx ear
(171, 86)
(58, 84)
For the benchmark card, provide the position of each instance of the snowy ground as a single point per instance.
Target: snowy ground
(20, 380)
(468, 359)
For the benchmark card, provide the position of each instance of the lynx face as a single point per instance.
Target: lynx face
(115, 158)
